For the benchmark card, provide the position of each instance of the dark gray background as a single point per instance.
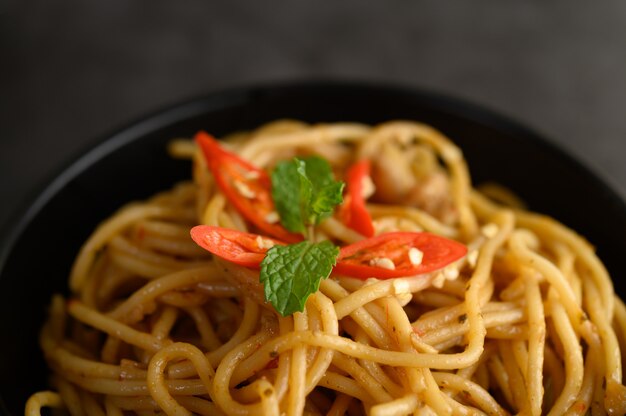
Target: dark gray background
(72, 71)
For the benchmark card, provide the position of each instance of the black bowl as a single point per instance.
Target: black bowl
(132, 164)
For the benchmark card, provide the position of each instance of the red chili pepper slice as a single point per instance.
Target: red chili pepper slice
(232, 245)
(354, 212)
(248, 250)
(365, 258)
(246, 187)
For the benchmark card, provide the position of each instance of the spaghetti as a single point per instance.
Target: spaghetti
(527, 322)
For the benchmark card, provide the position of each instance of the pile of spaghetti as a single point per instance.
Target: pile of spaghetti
(525, 320)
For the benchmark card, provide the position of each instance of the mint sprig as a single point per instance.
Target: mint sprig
(291, 273)
(304, 192)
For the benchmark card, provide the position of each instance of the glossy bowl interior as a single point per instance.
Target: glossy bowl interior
(37, 253)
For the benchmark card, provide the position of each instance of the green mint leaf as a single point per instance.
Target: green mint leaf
(291, 273)
(325, 201)
(318, 171)
(305, 192)
(286, 196)
(319, 192)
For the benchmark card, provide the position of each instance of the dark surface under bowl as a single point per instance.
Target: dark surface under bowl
(37, 253)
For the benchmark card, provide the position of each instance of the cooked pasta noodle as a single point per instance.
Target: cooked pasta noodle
(527, 322)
